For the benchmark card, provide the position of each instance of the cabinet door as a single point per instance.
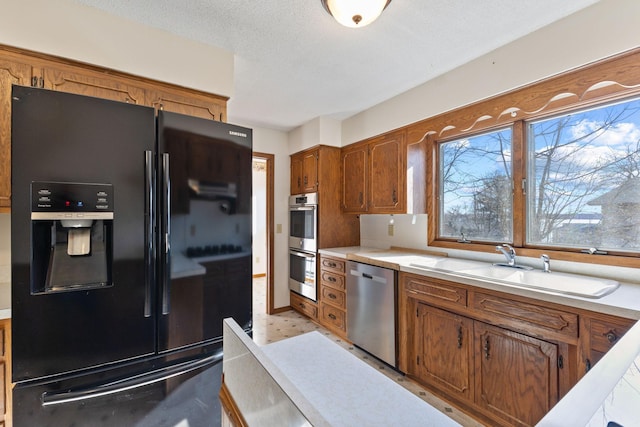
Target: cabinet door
(10, 73)
(87, 82)
(387, 169)
(516, 376)
(296, 174)
(192, 104)
(310, 172)
(354, 180)
(444, 350)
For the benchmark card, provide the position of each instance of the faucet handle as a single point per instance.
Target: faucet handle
(546, 263)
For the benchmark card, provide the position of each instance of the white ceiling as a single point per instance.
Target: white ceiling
(294, 63)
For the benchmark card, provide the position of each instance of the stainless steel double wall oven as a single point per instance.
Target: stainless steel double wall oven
(303, 244)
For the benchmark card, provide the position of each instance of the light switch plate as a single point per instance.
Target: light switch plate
(390, 230)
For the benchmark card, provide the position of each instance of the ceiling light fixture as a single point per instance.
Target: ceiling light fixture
(355, 13)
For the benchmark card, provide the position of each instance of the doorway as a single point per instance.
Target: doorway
(263, 239)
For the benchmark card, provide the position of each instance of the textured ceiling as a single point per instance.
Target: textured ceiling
(294, 63)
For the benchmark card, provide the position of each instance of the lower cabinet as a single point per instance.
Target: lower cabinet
(507, 374)
(303, 305)
(5, 373)
(333, 295)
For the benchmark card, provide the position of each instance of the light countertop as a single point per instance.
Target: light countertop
(623, 302)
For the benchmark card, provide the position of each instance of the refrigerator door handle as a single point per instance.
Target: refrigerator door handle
(166, 277)
(69, 396)
(149, 235)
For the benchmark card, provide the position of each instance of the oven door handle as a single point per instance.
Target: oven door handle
(302, 208)
(302, 254)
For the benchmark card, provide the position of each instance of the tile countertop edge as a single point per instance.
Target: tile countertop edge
(623, 302)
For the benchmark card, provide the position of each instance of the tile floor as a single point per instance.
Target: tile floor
(267, 329)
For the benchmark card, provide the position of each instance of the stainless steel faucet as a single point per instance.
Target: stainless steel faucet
(509, 253)
(546, 263)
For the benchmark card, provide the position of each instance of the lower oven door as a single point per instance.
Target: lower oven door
(302, 273)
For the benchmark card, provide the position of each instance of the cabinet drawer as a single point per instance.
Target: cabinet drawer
(303, 305)
(521, 316)
(333, 317)
(604, 334)
(332, 264)
(334, 297)
(332, 279)
(434, 291)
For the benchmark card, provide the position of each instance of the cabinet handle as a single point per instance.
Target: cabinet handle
(298, 181)
(332, 296)
(588, 365)
(306, 181)
(395, 197)
(360, 198)
(460, 336)
(331, 264)
(611, 336)
(332, 316)
(301, 305)
(331, 279)
(486, 348)
(34, 81)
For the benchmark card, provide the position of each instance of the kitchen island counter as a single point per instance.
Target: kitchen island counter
(310, 380)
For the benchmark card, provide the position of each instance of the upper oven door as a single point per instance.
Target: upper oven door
(302, 227)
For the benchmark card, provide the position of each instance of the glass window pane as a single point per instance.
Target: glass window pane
(476, 188)
(584, 179)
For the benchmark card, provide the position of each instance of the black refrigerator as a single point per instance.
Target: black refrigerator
(130, 242)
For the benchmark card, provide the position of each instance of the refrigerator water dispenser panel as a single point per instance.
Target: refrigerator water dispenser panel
(72, 232)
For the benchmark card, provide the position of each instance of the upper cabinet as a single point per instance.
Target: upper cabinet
(304, 172)
(11, 72)
(67, 78)
(318, 170)
(379, 175)
(18, 67)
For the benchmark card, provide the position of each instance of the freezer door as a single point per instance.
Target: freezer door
(70, 138)
(185, 394)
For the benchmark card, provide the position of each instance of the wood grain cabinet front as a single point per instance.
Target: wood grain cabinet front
(12, 71)
(333, 296)
(304, 172)
(303, 305)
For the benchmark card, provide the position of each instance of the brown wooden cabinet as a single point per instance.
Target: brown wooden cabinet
(516, 376)
(504, 360)
(5, 373)
(375, 175)
(304, 172)
(26, 68)
(333, 296)
(601, 333)
(68, 78)
(12, 71)
(303, 305)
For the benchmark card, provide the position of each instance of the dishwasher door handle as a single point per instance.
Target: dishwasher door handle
(378, 279)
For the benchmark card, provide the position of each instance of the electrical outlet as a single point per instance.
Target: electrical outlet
(278, 228)
(257, 260)
(390, 230)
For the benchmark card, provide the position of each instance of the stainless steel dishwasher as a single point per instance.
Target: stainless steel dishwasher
(371, 309)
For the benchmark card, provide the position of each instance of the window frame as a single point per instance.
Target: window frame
(610, 80)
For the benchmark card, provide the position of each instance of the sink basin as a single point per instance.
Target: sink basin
(561, 283)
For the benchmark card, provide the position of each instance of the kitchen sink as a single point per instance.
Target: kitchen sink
(561, 283)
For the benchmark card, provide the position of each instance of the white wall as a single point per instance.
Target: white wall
(321, 130)
(606, 28)
(5, 248)
(86, 34)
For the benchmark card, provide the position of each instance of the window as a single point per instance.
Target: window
(584, 179)
(581, 188)
(476, 191)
